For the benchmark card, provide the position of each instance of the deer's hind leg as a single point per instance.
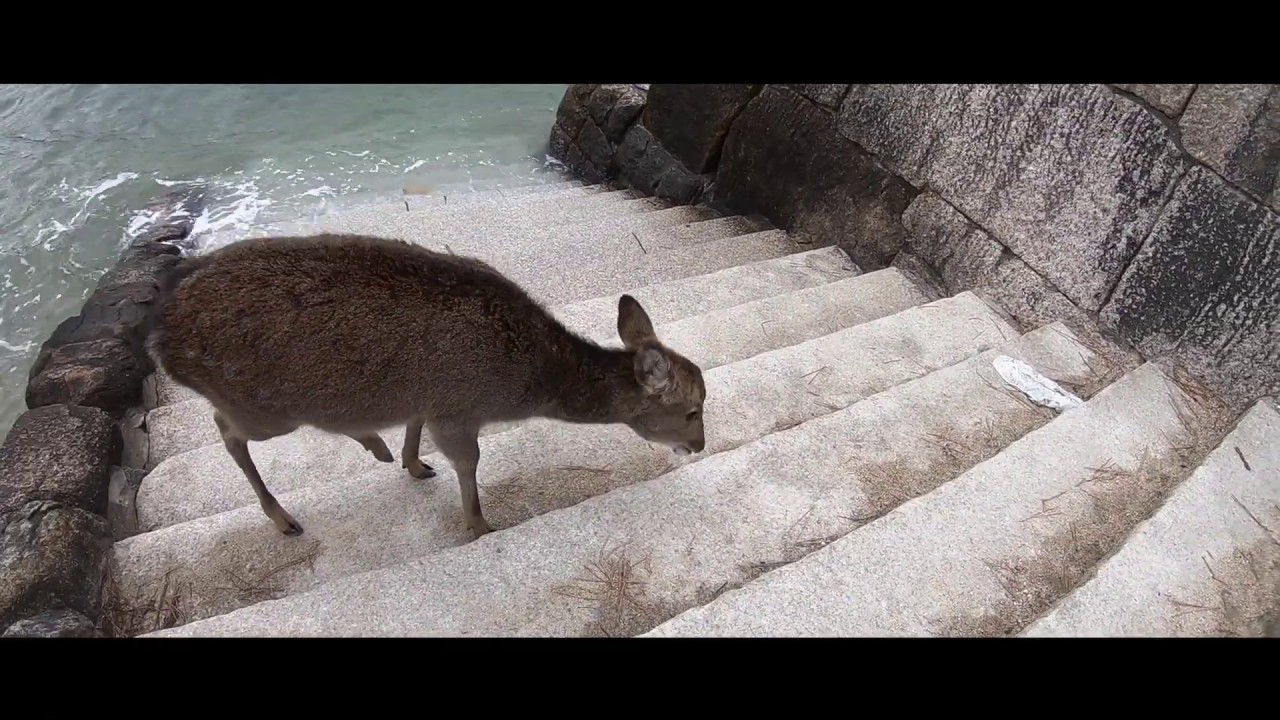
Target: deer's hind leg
(460, 445)
(412, 446)
(373, 443)
(236, 435)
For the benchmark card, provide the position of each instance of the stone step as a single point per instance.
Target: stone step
(543, 227)
(1206, 564)
(359, 523)
(194, 484)
(691, 250)
(986, 553)
(467, 220)
(452, 204)
(619, 563)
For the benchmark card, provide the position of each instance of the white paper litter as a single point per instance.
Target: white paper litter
(1036, 387)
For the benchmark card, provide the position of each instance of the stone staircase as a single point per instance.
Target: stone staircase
(880, 461)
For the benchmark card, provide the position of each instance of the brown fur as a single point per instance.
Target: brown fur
(355, 334)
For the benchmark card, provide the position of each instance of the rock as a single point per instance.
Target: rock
(1168, 99)
(961, 256)
(828, 96)
(691, 121)
(784, 159)
(1069, 177)
(51, 556)
(144, 264)
(626, 108)
(1206, 289)
(122, 495)
(572, 113)
(60, 623)
(98, 357)
(105, 374)
(582, 167)
(1235, 129)
(559, 143)
(645, 165)
(61, 453)
(135, 443)
(595, 148)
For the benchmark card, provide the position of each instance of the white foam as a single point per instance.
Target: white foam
(105, 185)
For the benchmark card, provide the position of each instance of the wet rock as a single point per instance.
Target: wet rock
(691, 121)
(61, 453)
(61, 623)
(1069, 177)
(1235, 129)
(98, 357)
(51, 556)
(1206, 289)
(784, 159)
(1168, 99)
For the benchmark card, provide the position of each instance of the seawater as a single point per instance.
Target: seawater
(78, 163)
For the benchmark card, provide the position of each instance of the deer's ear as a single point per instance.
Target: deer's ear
(634, 326)
(653, 370)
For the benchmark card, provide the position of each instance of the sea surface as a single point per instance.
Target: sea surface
(79, 162)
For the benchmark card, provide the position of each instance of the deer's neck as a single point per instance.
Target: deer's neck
(588, 383)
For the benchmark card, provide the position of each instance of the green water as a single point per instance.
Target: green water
(77, 163)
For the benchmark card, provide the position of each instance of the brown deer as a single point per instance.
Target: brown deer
(354, 334)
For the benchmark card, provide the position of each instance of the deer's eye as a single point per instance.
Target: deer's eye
(693, 415)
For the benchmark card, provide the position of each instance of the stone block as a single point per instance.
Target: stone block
(51, 556)
(105, 374)
(61, 623)
(784, 159)
(1235, 129)
(964, 257)
(61, 453)
(691, 120)
(628, 105)
(828, 96)
(1206, 289)
(647, 166)
(1069, 177)
(595, 148)
(572, 113)
(1168, 99)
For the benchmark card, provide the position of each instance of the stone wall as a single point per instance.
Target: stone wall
(1146, 213)
(80, 446)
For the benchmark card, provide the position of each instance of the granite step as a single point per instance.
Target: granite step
(207, 481)
(1207, 564)
(622, 561)
(469, 204)
(988, 552)
(466, 217)
(382, 517)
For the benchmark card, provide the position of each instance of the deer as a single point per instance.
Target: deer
(354, 334)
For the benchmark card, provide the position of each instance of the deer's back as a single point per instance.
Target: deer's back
(345, 331)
